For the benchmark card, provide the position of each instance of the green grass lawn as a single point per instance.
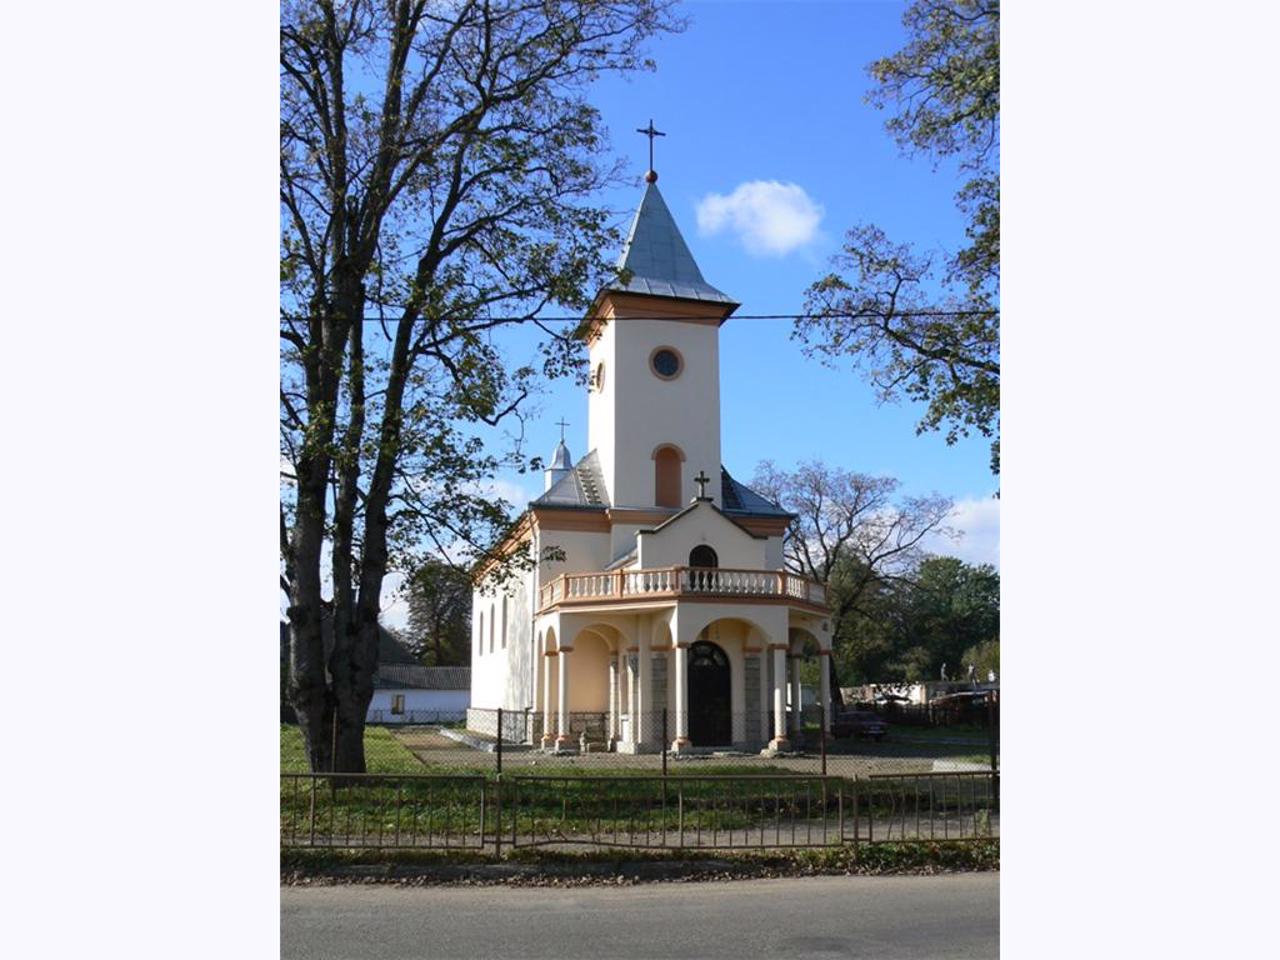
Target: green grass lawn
(383, 753)
(558, 798)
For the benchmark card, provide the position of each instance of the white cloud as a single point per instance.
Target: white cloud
(770, 218)
(978, 520)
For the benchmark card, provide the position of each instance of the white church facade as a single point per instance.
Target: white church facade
(659, 586)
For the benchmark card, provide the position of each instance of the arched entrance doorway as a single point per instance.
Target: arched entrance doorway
(710, 719)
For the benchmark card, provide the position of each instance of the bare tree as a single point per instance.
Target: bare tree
(436, 163)
(851, 532)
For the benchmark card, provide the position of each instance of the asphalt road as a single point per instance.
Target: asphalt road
(952, 916)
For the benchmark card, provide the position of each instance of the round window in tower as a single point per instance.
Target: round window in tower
(597, 379)
(666, 363)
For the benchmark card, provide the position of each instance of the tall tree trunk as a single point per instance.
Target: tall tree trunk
(308, 690)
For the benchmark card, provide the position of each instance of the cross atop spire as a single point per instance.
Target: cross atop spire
(650, 132)
(561, 424)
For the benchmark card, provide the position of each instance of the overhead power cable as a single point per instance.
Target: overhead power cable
(990, 311)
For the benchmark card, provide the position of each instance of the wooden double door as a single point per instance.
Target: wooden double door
(709, 697)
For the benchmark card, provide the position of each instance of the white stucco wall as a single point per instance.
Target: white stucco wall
(583, 551)
(639, 411)
(501, 658)
(449, 702)
(600, 429)
(773, 555)
(734, 547)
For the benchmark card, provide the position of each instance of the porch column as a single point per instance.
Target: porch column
(562, 734)
(738, 698)
(779, 741)
(766, 701)
(681, 654)
(633, 698)
(615, 668)
(796, 724)
(644, 700)
(824, 688)
(548, 738)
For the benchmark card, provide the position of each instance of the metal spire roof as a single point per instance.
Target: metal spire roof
(560, 460)
(659, 259)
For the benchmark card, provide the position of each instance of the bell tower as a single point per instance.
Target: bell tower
(654, 407)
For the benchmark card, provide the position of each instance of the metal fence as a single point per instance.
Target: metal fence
(506, 778)
(675, 811)
(376, 811)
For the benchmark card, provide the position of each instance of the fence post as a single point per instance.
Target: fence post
(991, 728)
(665, 742)
(497, 800)
(333, 752)
(822, 736)
(991, 736)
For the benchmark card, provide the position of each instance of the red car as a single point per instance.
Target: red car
(859, 723)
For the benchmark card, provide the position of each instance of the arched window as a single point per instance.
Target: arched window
(504, 621)
(492, 618)
(480, 635)
(703, 556)
(701, 559)
(666, 477)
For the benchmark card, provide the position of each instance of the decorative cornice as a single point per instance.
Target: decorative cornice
(761, 526)
(594, 520)
(618, 305)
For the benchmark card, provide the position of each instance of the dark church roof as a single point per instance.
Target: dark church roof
(658, 258)
(740, 499)
(582, 486)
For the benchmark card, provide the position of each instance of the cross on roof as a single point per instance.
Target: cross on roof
(702, 480)
(561, 424)
(650, 132)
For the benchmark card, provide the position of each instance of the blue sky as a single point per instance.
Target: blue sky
(773, 92)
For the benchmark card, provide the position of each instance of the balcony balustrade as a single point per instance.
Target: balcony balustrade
(677, 582)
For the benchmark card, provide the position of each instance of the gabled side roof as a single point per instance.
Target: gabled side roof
(694, 506)
(399, 676)
(583, 486)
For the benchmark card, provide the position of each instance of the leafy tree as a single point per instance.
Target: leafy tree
(927, 326)
(985, 658)
(439, 632)
(852, 532)
(949, 607)
(436, 166)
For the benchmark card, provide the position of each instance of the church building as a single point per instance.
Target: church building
(659, 585)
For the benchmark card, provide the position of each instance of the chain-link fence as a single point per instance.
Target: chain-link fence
(854, 742)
